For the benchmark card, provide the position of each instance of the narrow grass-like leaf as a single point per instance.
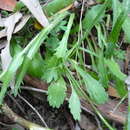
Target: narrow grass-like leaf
(44, 33)
(113, 37)
(89, 21)
(93, 18)
(126, 29)
(126, 5)
(89, 51)
(21, 73)
(115, 69)
(57, 93)
(122, 13)
(117, 8)
(89, 24)
(126, 25)
(8, 76)
(62, 48)
(94, 88)
(91, 15)
(74, 105)
(102, 71)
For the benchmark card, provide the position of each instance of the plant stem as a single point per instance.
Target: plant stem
(13, 116)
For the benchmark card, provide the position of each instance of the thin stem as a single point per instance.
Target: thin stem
(33, 110)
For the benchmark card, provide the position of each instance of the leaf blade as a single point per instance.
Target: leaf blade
(74, 105)
(57, 93)
(94, 88)
(115, 69)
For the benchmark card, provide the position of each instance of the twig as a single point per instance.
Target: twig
(33, 110)
(81, 28)
(4, 124)
(34, 89)
(118, 104)
(19, 106)
(98, 122)
(14, 117)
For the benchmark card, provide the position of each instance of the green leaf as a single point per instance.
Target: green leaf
(62, 48)
(52, 43)
(30, 50)
(91, 15)
(113, 37)
(94, 88)
(51, 69)
(36, 66)
(103, 75)
(126, 29)
(7, 76)
(21, 73)
(126, 5)
(115, 69)
(50, 74)
(43, 35)
(120, 87)
(33, 49)
(57, 93)
(19, 6)
(120, 15)
(117, 8)
(74, 105)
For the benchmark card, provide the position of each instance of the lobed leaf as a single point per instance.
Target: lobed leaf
(95, 89)
(57, 93)
(74, 105)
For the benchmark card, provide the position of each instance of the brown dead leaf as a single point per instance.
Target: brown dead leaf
(9, 24)
(86, 124)
(18, 27)
(8, 5)
(113, 92)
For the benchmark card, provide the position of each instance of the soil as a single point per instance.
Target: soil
(57, 119)
(54, 118)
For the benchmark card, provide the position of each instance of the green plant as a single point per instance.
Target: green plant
(63, 63)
